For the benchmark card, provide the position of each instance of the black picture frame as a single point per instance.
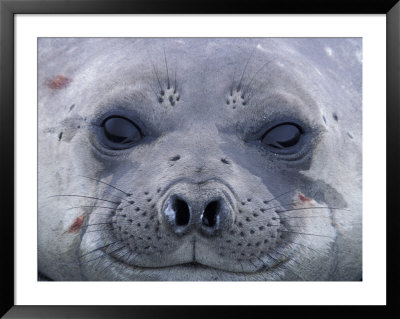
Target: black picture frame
(9, 8)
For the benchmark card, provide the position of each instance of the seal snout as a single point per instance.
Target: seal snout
(203, 211)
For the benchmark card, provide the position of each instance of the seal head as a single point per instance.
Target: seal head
(200, 159)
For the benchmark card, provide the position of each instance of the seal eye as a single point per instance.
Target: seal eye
(120, 132)
(282, 136)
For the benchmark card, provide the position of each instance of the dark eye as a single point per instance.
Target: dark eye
(282, 136)
(120, 132)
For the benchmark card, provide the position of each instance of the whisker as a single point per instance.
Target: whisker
(254, 76)
(97, 180)
(283, 266)
(101, 260)
(127, 205)
(280, 206)
(262, 261)
(263, 210)
(264, 267)
(127, 258)
(154, 70)
(159, 98)
(99, 224)
(233, 81)
(128, 262)
(108, 254)
(84, 196)
(244, 70)
(128, 252)
(175, 87)
(269, 200)
(122, 199)
(255, 267)
(292, 259)
(166, 67)
(295, 209)
(241, 265)
(98, 248)
(94, 231)
(248, 93)
(102, 256)
(301, 217)
(111, 263)
(293, 232)
(100, 214)
(94, 206)
(318, 251)
(319, 207)
(305, 246)
(296, 226)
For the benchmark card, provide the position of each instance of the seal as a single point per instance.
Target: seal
(199, 159)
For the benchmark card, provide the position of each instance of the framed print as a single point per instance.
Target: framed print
(164, 156)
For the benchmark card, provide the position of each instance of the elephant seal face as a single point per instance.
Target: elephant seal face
(200, 159)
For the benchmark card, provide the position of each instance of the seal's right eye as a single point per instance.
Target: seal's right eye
(120, 133)
(282, 136)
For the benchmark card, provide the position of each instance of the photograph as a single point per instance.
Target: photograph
(199, 158)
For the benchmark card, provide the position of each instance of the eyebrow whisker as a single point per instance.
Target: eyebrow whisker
(244, 70)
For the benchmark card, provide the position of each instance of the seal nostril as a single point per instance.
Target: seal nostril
(182, 214)
(211, 214)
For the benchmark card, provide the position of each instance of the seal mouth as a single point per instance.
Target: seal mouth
(194, 265)
(196, 271)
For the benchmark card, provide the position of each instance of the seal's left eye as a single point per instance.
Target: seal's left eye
(120, 131)
(282, 136)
